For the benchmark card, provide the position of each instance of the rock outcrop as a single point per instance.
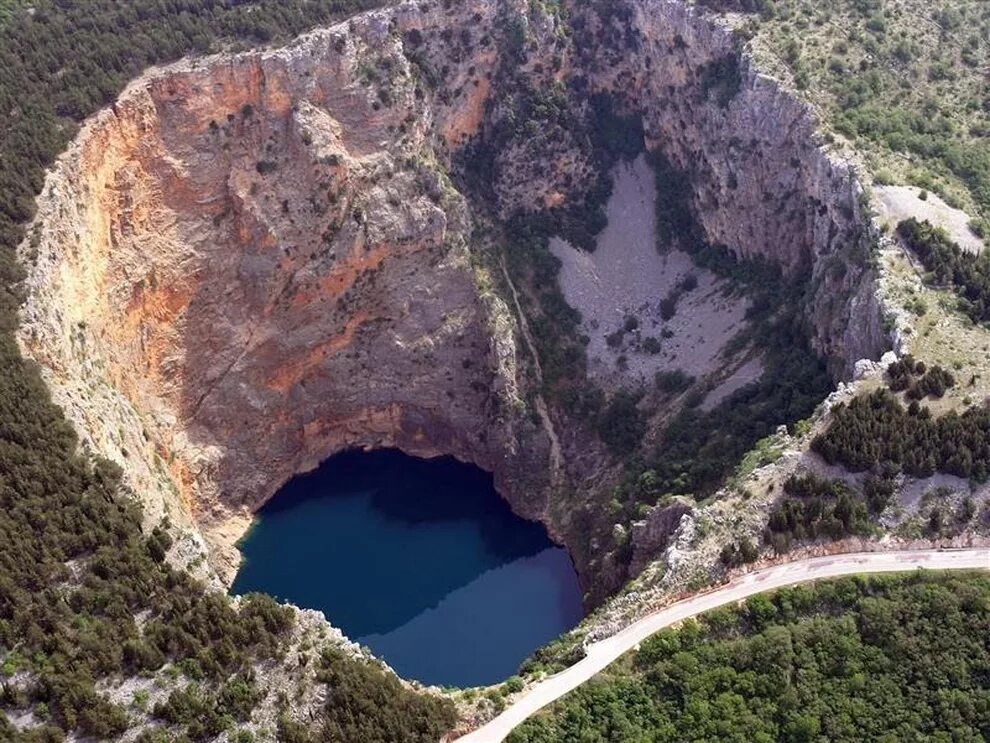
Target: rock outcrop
(253, 261)
(652, 535)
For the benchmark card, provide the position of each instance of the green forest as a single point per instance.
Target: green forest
(946, 264)
(876, 431)
(891, 658)
(66, 628)
(815, 508)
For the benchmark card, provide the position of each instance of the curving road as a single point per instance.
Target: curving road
(604, 652)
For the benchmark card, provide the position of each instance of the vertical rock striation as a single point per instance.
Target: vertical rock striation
(762, 186)
(250, 263)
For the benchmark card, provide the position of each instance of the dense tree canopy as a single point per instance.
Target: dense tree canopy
(880, 659)
(948, 264)
(814, 508)
(876, 431)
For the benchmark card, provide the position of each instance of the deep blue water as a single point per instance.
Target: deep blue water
(419, 560)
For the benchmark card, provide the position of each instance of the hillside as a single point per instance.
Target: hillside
(903, 84)
(845, 660)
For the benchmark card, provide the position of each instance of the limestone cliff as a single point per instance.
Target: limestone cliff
(249, 263)
(253, 261)
(762, 185)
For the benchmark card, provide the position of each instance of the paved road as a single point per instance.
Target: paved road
(604, 652)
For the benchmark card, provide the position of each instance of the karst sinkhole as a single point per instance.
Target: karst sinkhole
(379, 236)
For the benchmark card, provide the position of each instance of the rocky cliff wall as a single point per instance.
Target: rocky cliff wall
(249, 263)
(761, 183)
(253, 261)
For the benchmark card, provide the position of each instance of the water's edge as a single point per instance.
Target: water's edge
(420, 560)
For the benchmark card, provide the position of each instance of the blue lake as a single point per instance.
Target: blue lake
(419, 560)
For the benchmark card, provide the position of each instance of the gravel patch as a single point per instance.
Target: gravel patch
(914, 491)
(901, 202)
(626, 277)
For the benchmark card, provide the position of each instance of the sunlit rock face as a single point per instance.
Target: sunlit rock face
(253, 261)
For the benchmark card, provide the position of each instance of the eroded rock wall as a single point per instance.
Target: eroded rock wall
(762, 184)
(253, 261)
(250, 263)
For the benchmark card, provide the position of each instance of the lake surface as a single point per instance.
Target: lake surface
(419, 560)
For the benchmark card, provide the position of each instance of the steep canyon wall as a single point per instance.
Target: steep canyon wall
(253, 261)
(249, 263)
(761, 183)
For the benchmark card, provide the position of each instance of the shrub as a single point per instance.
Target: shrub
(622, 425)
(668, 307)
(875, 432)
(947, 263)
(673, 382)
(652, 346)
(815, 508)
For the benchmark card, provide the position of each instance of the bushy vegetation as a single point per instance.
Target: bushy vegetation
(700, 448)
(738, 553)
(855, 659)
(621, 424)
(904, 78)
(553, 322)
(75, 566)
(364, 704)
(948, 264)
(721, 79)
(555, 656)
(204, 714)
(875, 432)
(815, 508)
(917, 380)
(673, 382)
(668, 305)
(676, 225)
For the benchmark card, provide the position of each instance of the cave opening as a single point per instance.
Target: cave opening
(419, 560)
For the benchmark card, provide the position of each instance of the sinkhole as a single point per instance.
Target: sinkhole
(419, 560)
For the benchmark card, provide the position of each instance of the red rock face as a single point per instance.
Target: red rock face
(265, 264)
(252, 262)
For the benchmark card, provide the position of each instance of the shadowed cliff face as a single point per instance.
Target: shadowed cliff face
(252, 262)
(760, 183)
